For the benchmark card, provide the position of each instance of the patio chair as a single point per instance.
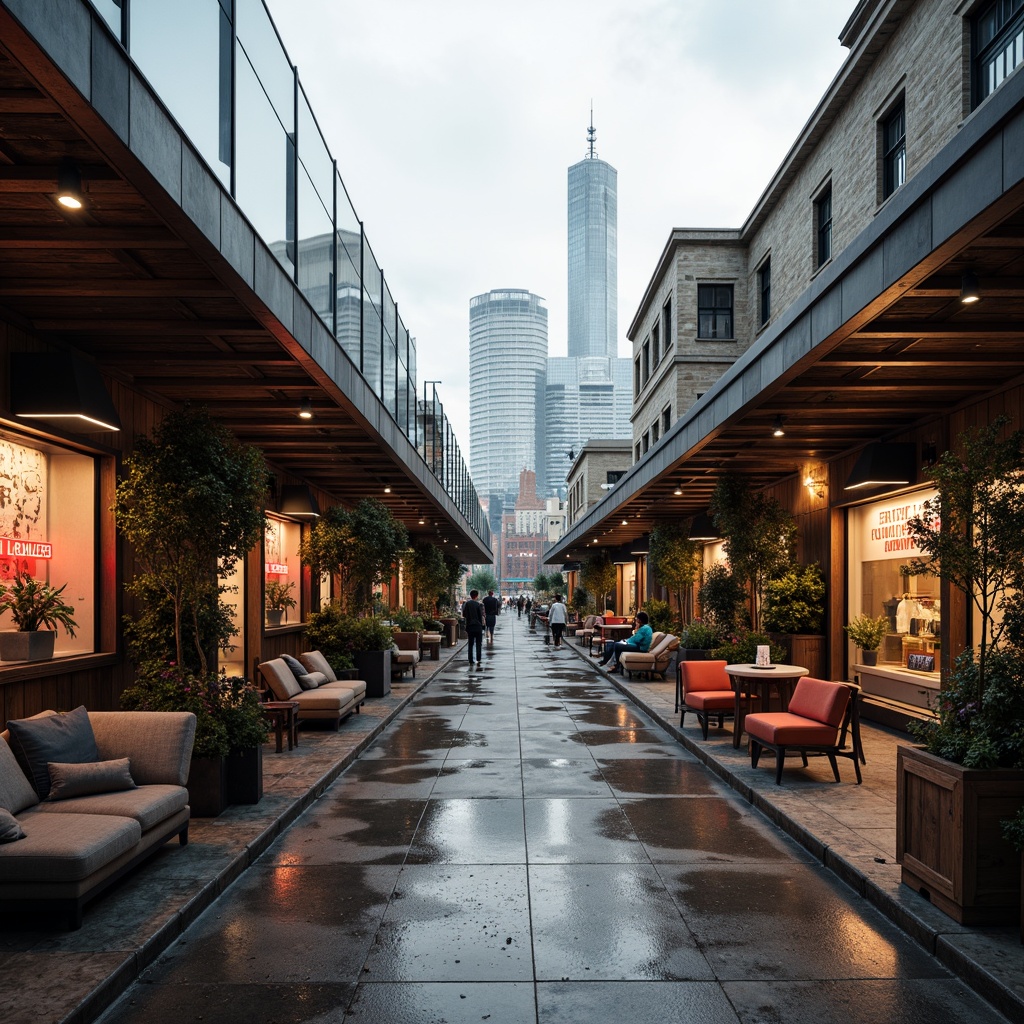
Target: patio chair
(651, 661)
(704, 688)
(817, 720)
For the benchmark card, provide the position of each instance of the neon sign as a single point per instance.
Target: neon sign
(277, 569)
(11, 548)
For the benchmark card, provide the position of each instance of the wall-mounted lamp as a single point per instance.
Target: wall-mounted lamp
(306, 410)
(969, 291)
(880, 465)
(60, 388)
(815, 483)
(777, 428)
(299, 502)
(69, 184)
(703, 528)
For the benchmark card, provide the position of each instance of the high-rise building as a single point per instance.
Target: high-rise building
(593, 255)
(508, 348)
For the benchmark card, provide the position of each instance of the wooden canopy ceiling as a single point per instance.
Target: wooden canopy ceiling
(122, 282)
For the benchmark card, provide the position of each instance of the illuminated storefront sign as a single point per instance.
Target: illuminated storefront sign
(11, 548)
(277, 569)
(884, 527)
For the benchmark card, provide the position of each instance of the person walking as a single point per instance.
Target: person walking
(558, 616)
(492, 609)
(639, 641)
(473, 613)
(520, 604)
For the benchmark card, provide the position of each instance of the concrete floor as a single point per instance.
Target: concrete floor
(521, 844)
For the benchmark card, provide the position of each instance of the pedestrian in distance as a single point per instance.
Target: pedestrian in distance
(639, 641)
(492, 609)
(520, 604)
(558, 616)
(473, 613)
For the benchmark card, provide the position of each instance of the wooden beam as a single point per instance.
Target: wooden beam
(116, 288)
(961, 329)
(88, 238)
(176, 328)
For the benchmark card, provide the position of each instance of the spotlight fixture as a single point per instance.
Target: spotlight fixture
(306, 410)
(422, 521)
(678, 492)
(625, 522)
(387, 490)
(59, 388)
(969, 292)
(298, 501)
(69, 184)
(881, 465)
(777, 428)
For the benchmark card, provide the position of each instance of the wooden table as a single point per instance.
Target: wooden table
(284, 716)
(431, 647)
(750, 680)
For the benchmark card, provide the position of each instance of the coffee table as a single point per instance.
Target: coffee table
(750, 680)
(284, 716)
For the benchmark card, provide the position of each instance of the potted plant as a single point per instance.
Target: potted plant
(867, 634)
(37, 610)
(277, 597)
(245, 725)
(740, 648)
(697, 638)
(793, 610)
(954, 789)
(346, 641)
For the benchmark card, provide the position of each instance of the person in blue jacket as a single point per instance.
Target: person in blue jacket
(639, 641)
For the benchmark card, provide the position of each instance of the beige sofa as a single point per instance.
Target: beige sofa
(406, 655)
(656, 660)
(74, 848)
(318, 692)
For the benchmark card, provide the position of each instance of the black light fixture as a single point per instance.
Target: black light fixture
(69, 184)
(641, 546)
(884, 465)
(969, 291)
(703, 528)
(678, 492)
(777, 428)
(60, 388)
(299, 502)
(306, 410)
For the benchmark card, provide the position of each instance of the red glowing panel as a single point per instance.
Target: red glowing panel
(277, 569)
(11, 548)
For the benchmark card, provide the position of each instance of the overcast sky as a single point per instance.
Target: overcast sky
(454, 123)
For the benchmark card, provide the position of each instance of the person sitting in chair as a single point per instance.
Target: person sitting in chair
(639, 641)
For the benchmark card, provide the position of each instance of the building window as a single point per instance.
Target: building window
(646, 357)
(636, 452)
(998, 38)
(666, 419)
(894, 151)
(666, 322)
(823, 226)
(764, 290)
(714, 311)
(613, 476)
(646, 442)
(655, 431)
(283, 571)
(655, 344)
(636, 377)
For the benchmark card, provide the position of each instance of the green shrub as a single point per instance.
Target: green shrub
(721, 596)
(700, 636)
(407, 621)
(659, 616)
(741, 648)
(795, 601)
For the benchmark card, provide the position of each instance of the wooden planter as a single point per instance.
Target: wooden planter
(806, 649)
(948, 837)
(207, 787)
(244, 769)
(692, 654)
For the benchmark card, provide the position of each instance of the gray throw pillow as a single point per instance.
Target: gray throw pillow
(311, 680)
(298, 669)
(69, 780)
(10, 829)
(65, 738)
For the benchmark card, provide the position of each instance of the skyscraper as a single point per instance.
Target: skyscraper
(508, 348)
(593, 255)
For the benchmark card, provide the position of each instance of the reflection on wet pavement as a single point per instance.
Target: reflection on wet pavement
(523, 845)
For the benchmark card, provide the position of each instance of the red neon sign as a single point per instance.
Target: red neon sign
(277, 569)
(11, 548)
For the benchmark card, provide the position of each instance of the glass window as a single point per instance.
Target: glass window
(998, 45)
(372, 326)
(283, 571)
(666, 321)
(823, 227)
(655, 431)
(110, 11)
(894, 151)
(232, 659)
(714, 311)
(636, 376)
(184, 50)
(764, 288)
(646, 356)
(263, 51)
(48, 529)
(655, 344)
(666, 419)
(646, 442)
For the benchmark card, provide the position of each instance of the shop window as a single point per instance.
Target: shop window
(232, 659)
(48, 529)
(283, 582)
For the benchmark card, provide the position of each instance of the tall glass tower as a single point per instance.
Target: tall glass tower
(593, 255)
(508, 351)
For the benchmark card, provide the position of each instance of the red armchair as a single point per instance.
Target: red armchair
(704, 688)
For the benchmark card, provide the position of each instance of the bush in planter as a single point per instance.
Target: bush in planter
(794, 601)
(721, 597)
(741, 648)
(700, 636)
(329, 631)
(659, 614)
(867, 633)
(407, 621)
(277, 597)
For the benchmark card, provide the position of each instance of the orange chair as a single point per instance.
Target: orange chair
(704, 688)
(817, 721)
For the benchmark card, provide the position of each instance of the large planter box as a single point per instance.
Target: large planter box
(948, 837)
(692, 654)
(244, 769)
(806, 649)
(34, 645)
(207, 787)
(374, 668)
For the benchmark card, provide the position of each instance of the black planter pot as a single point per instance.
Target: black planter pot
(33, 645)
(245, 776)
(207, 787)
(693, 654)
(869, 657)
(374, 668)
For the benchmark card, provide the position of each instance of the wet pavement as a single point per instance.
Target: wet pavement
(521, 844)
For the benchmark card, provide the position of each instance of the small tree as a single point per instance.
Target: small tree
(760, 535)
(454, 571)
(675, 562)
(362, 546)
(973, 534)
(541, 584)
(483, 579)
(191, 500)
(599, 576)
(721, 597)
(425, 572)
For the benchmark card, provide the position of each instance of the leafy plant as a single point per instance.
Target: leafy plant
(700, 636)
(580, 601)
(659, 615)
(425, 571)
(407, 621)
(795, 601)
(721, 597)
(599, 576)
(239, 708)
(277, 596)
(867, 633)
(34, 605)
(741, 648)
(338, 636)
(675, 562)
(1013, 830)
(483, 580)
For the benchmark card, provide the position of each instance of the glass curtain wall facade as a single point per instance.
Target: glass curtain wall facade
(222, 71)
(508, 348)
(593, 258)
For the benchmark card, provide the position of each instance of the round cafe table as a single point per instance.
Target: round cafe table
(750, 681)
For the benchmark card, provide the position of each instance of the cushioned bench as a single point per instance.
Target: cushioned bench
(315, 687)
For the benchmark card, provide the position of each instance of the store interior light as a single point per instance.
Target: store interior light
(884, 465)
(306, 410)
(62, 389)
(299, 502)
(69, 185)
(778, 430)
(703, 528)
(969, 291)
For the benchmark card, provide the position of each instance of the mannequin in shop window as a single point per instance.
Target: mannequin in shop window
(906, 611)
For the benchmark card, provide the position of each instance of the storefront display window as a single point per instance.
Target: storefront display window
(48, 529)
(283, 583)
(232, 660)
